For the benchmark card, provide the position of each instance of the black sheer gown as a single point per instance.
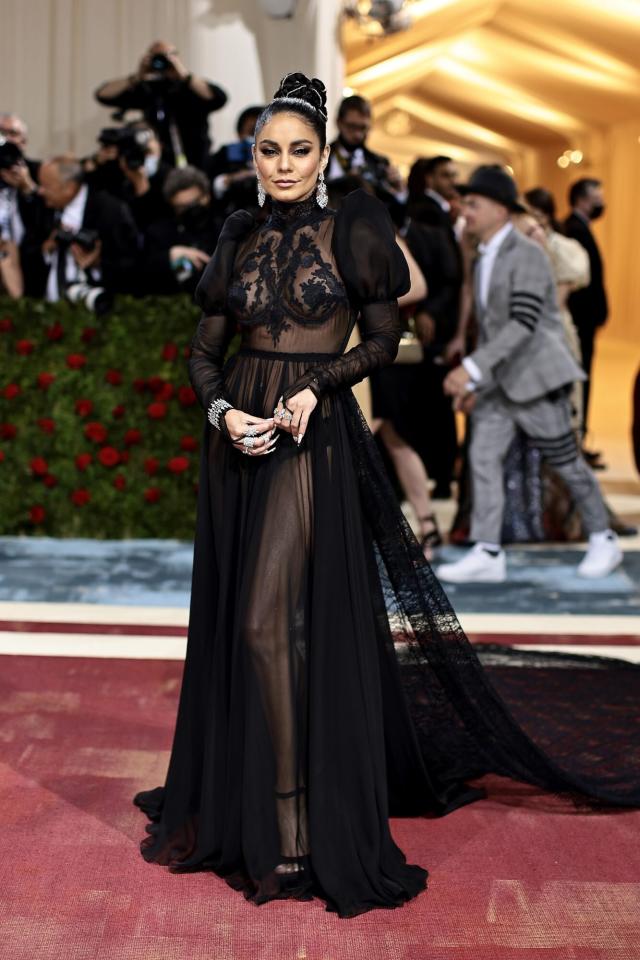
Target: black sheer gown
(327, 682)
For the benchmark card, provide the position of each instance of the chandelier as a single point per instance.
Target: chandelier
(378, 18)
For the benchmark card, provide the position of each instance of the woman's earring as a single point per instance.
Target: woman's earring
(261, 194)
(321, 191)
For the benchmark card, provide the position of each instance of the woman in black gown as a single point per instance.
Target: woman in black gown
(327, 683)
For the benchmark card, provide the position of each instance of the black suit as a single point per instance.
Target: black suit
(114, 224)
(433, 243)
(588, 307)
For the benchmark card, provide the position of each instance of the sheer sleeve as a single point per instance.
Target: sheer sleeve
(215, 328)
(375, 273)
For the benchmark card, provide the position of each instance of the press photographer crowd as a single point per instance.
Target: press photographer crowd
(142, 213)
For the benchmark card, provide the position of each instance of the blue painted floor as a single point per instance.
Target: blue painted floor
(158, 573)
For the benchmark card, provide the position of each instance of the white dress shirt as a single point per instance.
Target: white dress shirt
(486, 260)
(71, 219)
(439, 199)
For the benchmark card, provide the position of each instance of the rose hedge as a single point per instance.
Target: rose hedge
(100, 430)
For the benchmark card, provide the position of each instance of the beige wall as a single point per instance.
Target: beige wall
(54, 53)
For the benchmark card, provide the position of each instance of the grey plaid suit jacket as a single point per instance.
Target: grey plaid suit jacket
(521, 345)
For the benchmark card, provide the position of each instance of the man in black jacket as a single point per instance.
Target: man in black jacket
(588, 306)
(175, 102)
(351, 157)
(88, 236)
(432, 186)
(179, 247)
(19, 201)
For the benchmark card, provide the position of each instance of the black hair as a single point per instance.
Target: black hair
(421, 169)
(182, 178)
(543, 200)
(247, 114)
(354, 102)
(581, 188)
(298, 94)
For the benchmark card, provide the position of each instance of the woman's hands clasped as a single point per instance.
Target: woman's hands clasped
(258, 437)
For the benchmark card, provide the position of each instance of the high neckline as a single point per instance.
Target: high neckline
(290, 213)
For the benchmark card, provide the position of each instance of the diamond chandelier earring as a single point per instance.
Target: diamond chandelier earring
(261, 194)
(321, 191)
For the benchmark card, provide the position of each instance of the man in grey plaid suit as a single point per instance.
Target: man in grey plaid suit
(519, 375)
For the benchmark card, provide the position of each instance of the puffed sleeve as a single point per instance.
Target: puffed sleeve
(375, 273)
(215, 328)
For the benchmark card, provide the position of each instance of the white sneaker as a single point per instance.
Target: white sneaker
(602, 556)
(477, 566)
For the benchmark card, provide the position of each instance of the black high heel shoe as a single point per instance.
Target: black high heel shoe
(292, 879)
(433, 538)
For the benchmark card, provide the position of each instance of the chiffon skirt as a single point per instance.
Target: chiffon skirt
(328, 684)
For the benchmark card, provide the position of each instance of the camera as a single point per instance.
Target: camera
(132, 143)
(159, 63)
(10, 154)
(86, 239)
(96, 299)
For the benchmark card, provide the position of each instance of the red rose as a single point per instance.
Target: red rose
(55, 331)
(49, 480)
(1, 455)
(118, 412)
(12, 390)
(139, 384)
(188, 443)
(151, 465)
(157, 410)
(80, 497)
(83, 460)
(108, 456)
(124, 456)
(166, 392)
(155, 384)
(6, 324)
(83, 407)
(88, 334)
(178, 464)
(39, 466)
(119, 481)
(186, 396)
(25, 346)
(186, 352)
(114, 377)
(152, 494)
(95, 431)
(169, 351)
(7, 431)
(46, 424)
(45, 380)
(131, 437)
(37, 513)
(76, 360)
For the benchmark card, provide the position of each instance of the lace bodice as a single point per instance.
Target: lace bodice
(296, 285)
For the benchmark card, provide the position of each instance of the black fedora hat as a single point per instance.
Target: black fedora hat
(495, 183)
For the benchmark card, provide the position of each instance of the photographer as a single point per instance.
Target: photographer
(350, 155)
(178, 249)
(231, 169)
(129, 165)
(175, 103)
(93, 241)
(20, 209)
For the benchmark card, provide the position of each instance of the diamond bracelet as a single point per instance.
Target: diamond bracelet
(216, 409)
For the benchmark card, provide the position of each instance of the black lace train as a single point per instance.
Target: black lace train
(327, 683)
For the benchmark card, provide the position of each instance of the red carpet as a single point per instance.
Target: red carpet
(520, 875)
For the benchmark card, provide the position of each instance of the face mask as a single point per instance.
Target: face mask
(596, 211)
(151, 165)
(194, 217)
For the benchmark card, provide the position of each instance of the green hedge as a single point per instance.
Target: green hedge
(99, 428)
